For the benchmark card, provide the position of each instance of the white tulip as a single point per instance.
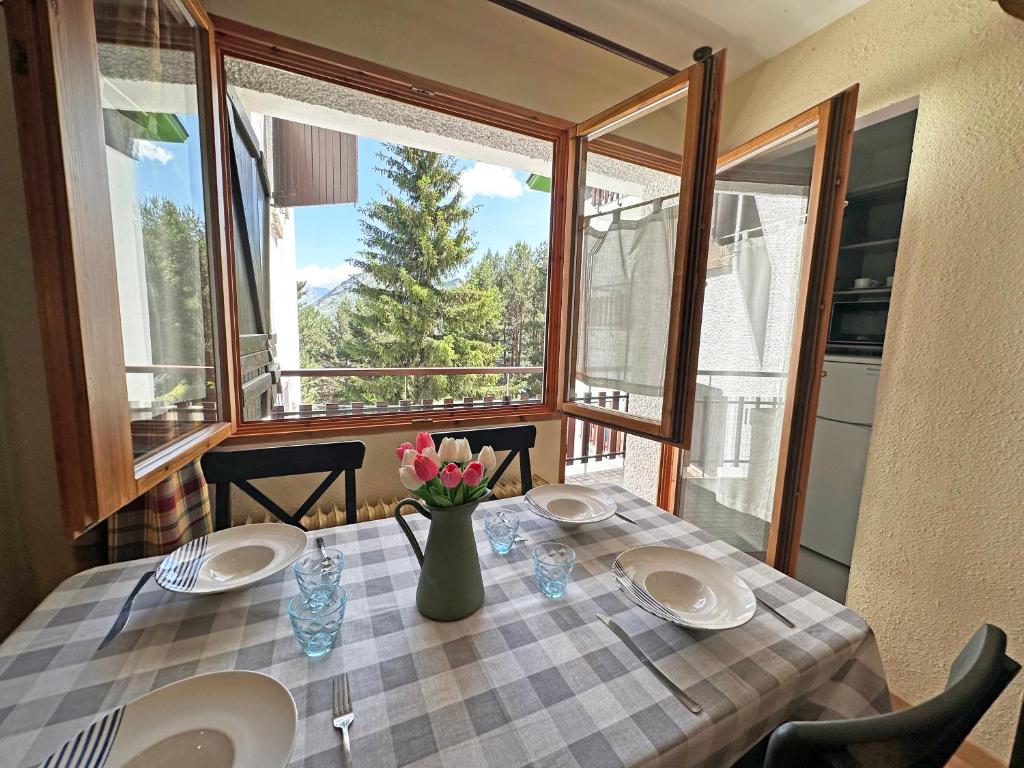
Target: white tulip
(408, 477)
(409, 457)
(488, 459)
(431, 454)
(448, 452)
(463, 452)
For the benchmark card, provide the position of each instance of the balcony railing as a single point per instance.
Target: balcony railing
(407, 405)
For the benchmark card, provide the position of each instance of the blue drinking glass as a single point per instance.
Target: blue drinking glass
(501, 526)
(317, 619)
(552, 565)
(312, 574)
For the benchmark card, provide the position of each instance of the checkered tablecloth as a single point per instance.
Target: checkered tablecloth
(524, 681)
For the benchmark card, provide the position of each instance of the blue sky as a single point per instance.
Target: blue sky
(327, 236)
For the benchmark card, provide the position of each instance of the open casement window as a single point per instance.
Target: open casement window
(117, 130)
(644, 172)
(777, 216)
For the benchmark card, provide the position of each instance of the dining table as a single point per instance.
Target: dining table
(525, 680)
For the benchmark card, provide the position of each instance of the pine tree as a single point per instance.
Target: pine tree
(409, 310)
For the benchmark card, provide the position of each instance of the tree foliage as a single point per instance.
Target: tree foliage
(178, 295)
(420, 300)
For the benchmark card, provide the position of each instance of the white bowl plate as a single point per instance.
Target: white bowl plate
(572, 505)
(218, 720)
(231, 559)
(703, 594)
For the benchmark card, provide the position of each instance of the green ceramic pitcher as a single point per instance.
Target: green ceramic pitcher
(450, 586)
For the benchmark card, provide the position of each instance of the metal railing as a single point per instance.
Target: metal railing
(597, 443)
(406, 405)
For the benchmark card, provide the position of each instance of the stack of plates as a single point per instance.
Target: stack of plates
(570, 505)
(219, 720)
(683, 587)
(231, 559)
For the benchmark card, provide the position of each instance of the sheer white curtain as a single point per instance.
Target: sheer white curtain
(626, 282)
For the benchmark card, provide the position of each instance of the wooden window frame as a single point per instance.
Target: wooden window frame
(703, 82)
(243, 41)
(833, 122)
(56, 92)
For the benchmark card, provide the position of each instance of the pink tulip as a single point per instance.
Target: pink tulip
(451, 476)
(474, 474)
(426, 469)
(424, 440)
(400, 450)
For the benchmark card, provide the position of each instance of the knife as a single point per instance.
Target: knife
(126, 610)
(630, 643)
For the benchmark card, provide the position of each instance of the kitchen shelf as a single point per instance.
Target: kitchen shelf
(878, 188)
(870, 244)
(862, 291)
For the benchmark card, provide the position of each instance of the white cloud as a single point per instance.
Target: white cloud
(150, 150)
(322, 277)
(488, 180)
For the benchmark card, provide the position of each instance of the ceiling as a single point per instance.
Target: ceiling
(670, 30)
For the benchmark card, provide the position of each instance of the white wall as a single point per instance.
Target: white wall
(939, 540)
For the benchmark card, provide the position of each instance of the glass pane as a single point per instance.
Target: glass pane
(595, 455)
(147, 63)
(390, 259)
(727, 483)
(628, 219)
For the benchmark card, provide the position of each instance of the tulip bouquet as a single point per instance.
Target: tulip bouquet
(448, 476)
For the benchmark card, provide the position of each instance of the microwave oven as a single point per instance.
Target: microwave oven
(858, 325)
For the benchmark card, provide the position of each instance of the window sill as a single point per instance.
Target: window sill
(258, 432)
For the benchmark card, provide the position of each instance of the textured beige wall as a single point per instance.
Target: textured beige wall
(941, 524)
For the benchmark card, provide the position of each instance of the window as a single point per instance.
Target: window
(123, 210)
(391, 261)
(642, 201)
(146, 54)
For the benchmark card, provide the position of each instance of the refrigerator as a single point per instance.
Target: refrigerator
(846, 409)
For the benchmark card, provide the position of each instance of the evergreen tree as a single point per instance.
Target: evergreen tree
(178, 295)
(408, 311)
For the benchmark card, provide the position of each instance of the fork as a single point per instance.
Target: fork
(343, 714)
(519, 540)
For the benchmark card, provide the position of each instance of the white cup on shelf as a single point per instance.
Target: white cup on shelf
(865, 282)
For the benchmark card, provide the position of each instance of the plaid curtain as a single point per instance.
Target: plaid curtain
(176, 511)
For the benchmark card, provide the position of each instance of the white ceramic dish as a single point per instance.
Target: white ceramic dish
(218, 720)
(231, 559)
(570, 505)
(702, 593)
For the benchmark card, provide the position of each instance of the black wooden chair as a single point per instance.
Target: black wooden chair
(924, 736)
(224, 468)
(517, 440)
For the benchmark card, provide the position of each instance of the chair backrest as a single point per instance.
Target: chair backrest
(238, 467)
(517, 440)
(922, 736)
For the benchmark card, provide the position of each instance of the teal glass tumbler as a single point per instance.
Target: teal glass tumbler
(552, 565)
(313, 574)
(501, 526)
(316, 619)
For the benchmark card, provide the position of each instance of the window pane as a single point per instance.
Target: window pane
(750, 302)
(390, 258)
(147, 63)
(628, 206)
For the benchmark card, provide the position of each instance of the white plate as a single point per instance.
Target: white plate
(231, 559)
(217, 720)
(704, 594)
(571, 505)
